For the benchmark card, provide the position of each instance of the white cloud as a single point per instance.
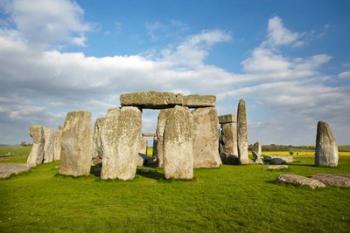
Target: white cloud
(45, 23)
(345, 74)
(278, 35)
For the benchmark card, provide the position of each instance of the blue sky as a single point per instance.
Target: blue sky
(288, 59)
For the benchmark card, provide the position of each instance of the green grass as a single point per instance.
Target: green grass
(227, 199)
(14, 154)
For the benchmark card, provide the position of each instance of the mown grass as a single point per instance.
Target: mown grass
(227, 199)
(14, 154)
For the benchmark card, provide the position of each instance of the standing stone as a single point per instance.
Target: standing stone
(205, 138)
(178, 149)
(326, 153)
(76, 144)
(228, 139)
(36, 155)
(49, 135)
(257, 153)
(162, 117)
(242, 133)
(142, 151)
(57, 144)
(120, 141)
(98, 150)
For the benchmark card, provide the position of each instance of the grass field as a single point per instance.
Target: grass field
(227, 199)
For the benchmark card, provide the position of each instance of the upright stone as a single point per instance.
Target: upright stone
(178, 149)
(49, 135)
(242, 133)
(228, 139)
(36, 155)
(205, 138)
(120, 141)
(57, 144)
(98, 150)
(76, 144)
(326, 153)
(162, 117)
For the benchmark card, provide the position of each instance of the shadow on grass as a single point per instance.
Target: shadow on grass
(150, 173)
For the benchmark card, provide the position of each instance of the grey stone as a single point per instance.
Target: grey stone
(57, 144)
(205, 138)
(49, 135)
(300, 180)
(143, 146)
(120, 136)
(199, 101)
(151, 99)
(178, 149)
(36, 155)
(162, 117)
(76, 144)
(326, 151)
(98, 149)
(333, 180)
(278, 160)
(9, 169)
(256, 158)
(228, 118)
(257, 148)
(277, 167)
(228, 143)
(242, 133)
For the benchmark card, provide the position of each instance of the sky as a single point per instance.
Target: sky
(289, 60)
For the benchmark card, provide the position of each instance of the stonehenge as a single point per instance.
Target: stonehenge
(189, 135)
(326, 150)
(76, 144)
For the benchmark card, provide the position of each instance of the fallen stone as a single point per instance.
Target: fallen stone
(10, 169)
(333, 180)
(199, 101)
(49, 135)
(120, 140)
(36, 155)
(76, 144)
(326, 151)
(178, 149)
(151, 99)
(229, 118)
(205, 138)
(162, 117)
(277, 167)
(242, 133)
(300, 180)
(278, 160)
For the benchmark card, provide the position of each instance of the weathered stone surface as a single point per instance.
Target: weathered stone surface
(277, 167)
(36, 155)
(242, 133)
(98, 149)
(228, 118)
(256, 158)
(162, 117)
(197, 101)
(76, 144)
(257, 148)
(148, 134)
(9, 169)
(143, 146)
(300, 180)
(205, 138)
(333, 180)
(57, 144)
(120, 136)
(178, 149)
(228, 143)
(278, 160)
(49, 135)
(326, 151)
(151, 99)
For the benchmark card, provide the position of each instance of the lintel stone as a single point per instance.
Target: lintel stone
(197, 101)
(229, 118)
